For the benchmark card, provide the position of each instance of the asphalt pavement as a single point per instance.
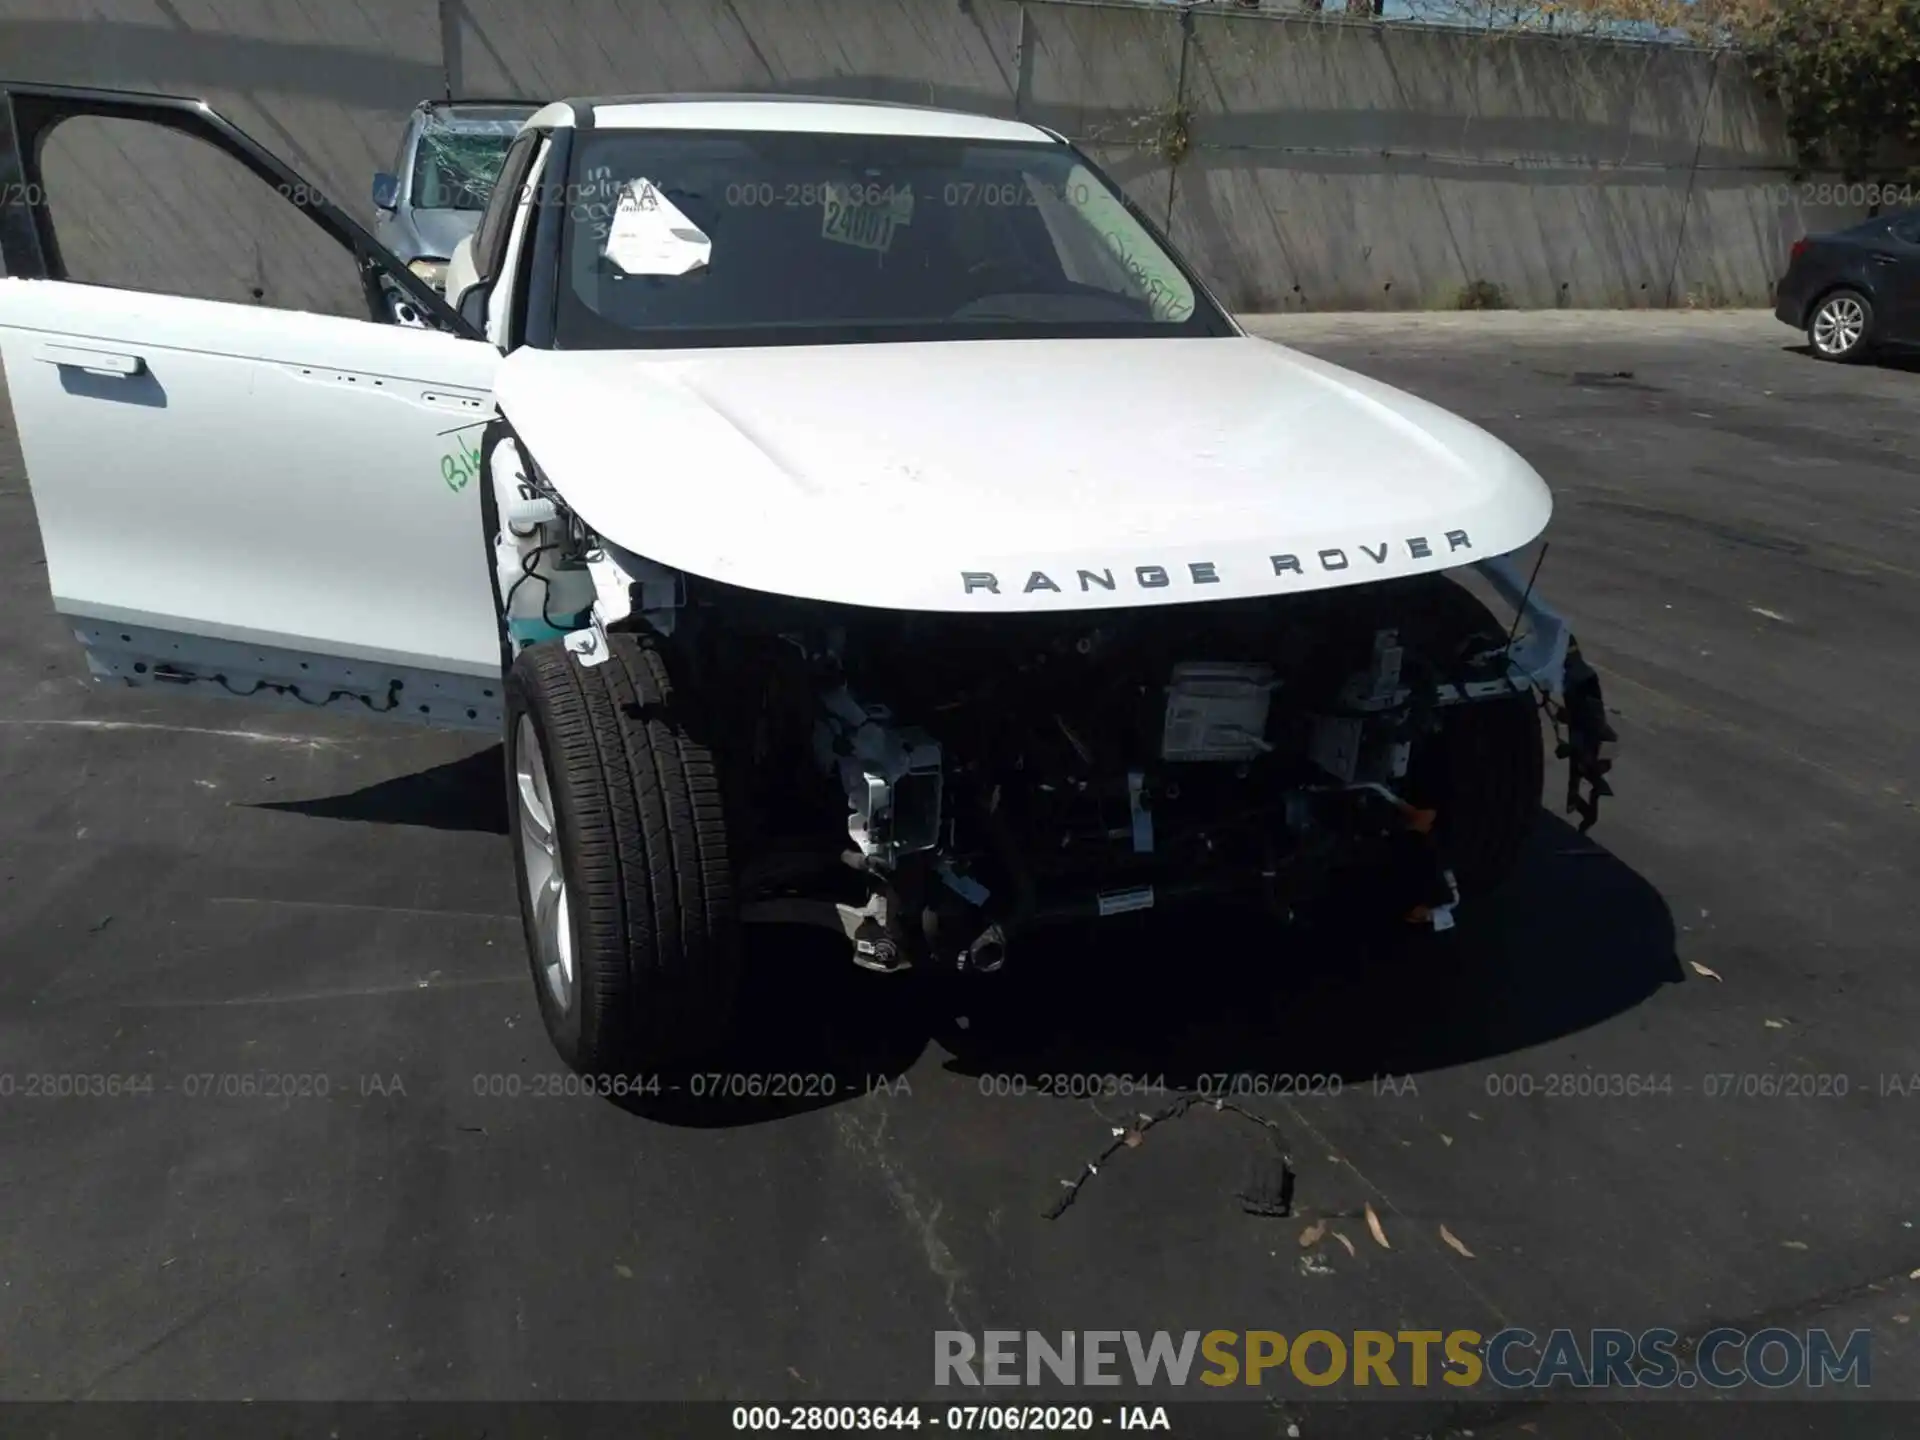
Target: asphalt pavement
(408, 1206)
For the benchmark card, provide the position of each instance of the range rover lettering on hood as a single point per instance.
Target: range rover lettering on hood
(1208, 572)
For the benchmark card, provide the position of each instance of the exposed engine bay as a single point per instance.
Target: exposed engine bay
(1001, 775)
(933, 785)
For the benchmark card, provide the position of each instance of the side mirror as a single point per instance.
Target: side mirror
(386, 191)
(473, 306)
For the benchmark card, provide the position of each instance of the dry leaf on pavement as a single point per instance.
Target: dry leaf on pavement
(1311, 1235)
(1700, 969)
(1373, 1225)
(1454, 1241)
(1346, 1242)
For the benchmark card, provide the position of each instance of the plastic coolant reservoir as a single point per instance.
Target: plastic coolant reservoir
(544, 598)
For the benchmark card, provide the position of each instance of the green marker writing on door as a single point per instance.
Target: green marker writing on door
(461, 468)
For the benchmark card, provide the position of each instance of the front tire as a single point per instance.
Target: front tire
(620, 852)
(1841, 326)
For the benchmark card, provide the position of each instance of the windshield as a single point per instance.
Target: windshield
(456, 162)
(704, 238)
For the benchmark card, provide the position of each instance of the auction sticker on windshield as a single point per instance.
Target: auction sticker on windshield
(865, 216)
(650, 235)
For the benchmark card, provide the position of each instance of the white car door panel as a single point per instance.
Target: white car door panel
(278, 505)
(302, 482)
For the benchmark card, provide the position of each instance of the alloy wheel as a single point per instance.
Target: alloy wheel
(546, 882)
(1840, 326)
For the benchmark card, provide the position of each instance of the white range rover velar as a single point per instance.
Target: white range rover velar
(846, 514)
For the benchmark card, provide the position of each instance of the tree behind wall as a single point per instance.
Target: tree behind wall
(1847, 73)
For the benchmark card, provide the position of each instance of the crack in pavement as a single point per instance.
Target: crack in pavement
(313, 742)
(1329, 1148)
(870, 1146)
(310, 997)
(179, 1327)
(429, 912)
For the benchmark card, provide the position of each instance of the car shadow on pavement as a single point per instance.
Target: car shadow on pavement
(1193, 999)
(1908, 361)
(465, 794)
(1575, 938)
(1185, 997)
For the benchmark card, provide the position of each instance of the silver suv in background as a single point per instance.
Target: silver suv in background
(445, 169)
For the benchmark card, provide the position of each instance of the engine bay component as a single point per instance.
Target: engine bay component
(545, 587)
(1140, 827)
(1379, 685)
(997, 778)
(623, 583)
(892, 778)
(1334, 746)
(1123, 902)
(872, 928)
(1217, 712)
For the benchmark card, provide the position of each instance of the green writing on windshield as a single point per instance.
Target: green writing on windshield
(1150, 268)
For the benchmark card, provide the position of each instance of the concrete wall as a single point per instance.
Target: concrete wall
(1304, 162)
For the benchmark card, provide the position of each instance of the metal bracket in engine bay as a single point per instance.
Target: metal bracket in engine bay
(540, 540)
(1549, 662)
(1536, 660)
(1543, 659)
(623, 584)
(892, 777)
(1584, 713)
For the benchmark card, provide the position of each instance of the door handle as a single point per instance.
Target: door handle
(1880, 259)
(94, 362)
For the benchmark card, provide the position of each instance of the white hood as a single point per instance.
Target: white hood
(1017, 475)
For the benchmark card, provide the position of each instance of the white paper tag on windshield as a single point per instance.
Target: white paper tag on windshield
(865, 216)
(650, 235)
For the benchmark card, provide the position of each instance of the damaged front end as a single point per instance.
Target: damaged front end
(998, 776)
(935, 786)
(1545, 659)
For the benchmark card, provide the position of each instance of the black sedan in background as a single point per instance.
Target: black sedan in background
(1857, 290)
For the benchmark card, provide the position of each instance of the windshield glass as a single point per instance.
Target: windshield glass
(706, 238)
(456, 162)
